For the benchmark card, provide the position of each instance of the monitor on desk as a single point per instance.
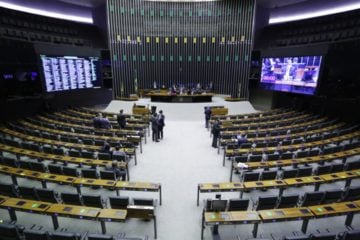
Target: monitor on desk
(218, 205)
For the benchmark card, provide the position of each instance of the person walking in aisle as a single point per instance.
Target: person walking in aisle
(215, 132)
(121, 119)
(154, 127)
(161, 124)
(207, 116)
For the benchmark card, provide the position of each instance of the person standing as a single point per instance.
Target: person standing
(121, 119)
(207, 116)
(154, 127)
(216, 133)
(161, 124)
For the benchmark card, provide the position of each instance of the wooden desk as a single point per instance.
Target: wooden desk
(218, 187)
(12, 204)
(111, 215)
(336, 209)
(81, 182)
(46, 156)
(227, 218)
(301, 181)
(266, 184)
(139, 186)
(347, 176)
(178, 98)
(287, 214)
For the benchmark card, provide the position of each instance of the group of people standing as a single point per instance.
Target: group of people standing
(157, 126)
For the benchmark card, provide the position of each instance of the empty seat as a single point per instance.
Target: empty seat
(46, 195)
(238, 204)
(38, 166)
(120, 202)
(288, 201)
(268, 175)
(74, 153)
(86, 154)
(89, 173)
(24, 164)
(250, 176)
(302, 154)
(332, 195)
(70, 171)
(353, 165)
(99, 237)
(297, 237)
(242, 159)
(143, 201)
(64, 236)
(352, 193)
(351, 235)
(320, 170)
(304, 172)
(323, 236)
(92, 201)
(255, 158)
(266, 203)
(71, 198)
(312, 198)
(291, 173)
(8, 190)
(273, 157)
(287, 155)
(110, 175)
(58, 151)
(9, 162)
(30, 234)
(27, 192)
(9, 232)
(104, 156)
(55, 169)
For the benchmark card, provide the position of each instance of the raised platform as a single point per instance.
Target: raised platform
(180, 98)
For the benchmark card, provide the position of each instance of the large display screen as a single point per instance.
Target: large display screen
(70, 72)
(291, 74)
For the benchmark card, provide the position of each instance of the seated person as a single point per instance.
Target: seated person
(105, 123)
(119, 173)
(119, 152)
(241, 139)
(105, 148)
(96, 121)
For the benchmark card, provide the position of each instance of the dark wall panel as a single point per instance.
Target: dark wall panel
(180, 43)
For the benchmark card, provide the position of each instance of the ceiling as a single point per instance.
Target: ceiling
(263, 3)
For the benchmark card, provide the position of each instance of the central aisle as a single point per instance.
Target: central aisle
(180, 161)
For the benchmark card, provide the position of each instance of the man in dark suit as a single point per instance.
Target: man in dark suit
(216, 133)
(154, 127)
(121, 119)
(161, 124)
(207, 116)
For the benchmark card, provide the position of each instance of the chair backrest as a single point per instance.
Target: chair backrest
(302, 154)
(290, 173)
(314, 152)
(323, 236)
(297, 237)
(99, 237)
(27, 192)
(352, 165)
(119, 158)
(269, 175)
(89, 173)
(74, 153)
(10, 162)
(352, 193)
(119, 202)
(251, 176)
(70, 171)
(30, 234)
(287, 155)
(64, 236)
(104, 156)
(47, 149)
(55, 169)
(46, 195)
(304, 171)
(337, 167)
(109, 175)
(24, 164)
(9, 232)
(351, 235)
(323, 169)
(332, 195)
(8, 190)
(71, 198)
(288, 201)
(86, 154)
(237, 204)
(242, 159)
(266, 202)
(92, 201)
(312, 198)
(273, 157)
(255, 158)
(38, 166)
(143, 201)
(58, 151)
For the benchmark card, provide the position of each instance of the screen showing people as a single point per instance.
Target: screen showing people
(70, 72)
(291, 74)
